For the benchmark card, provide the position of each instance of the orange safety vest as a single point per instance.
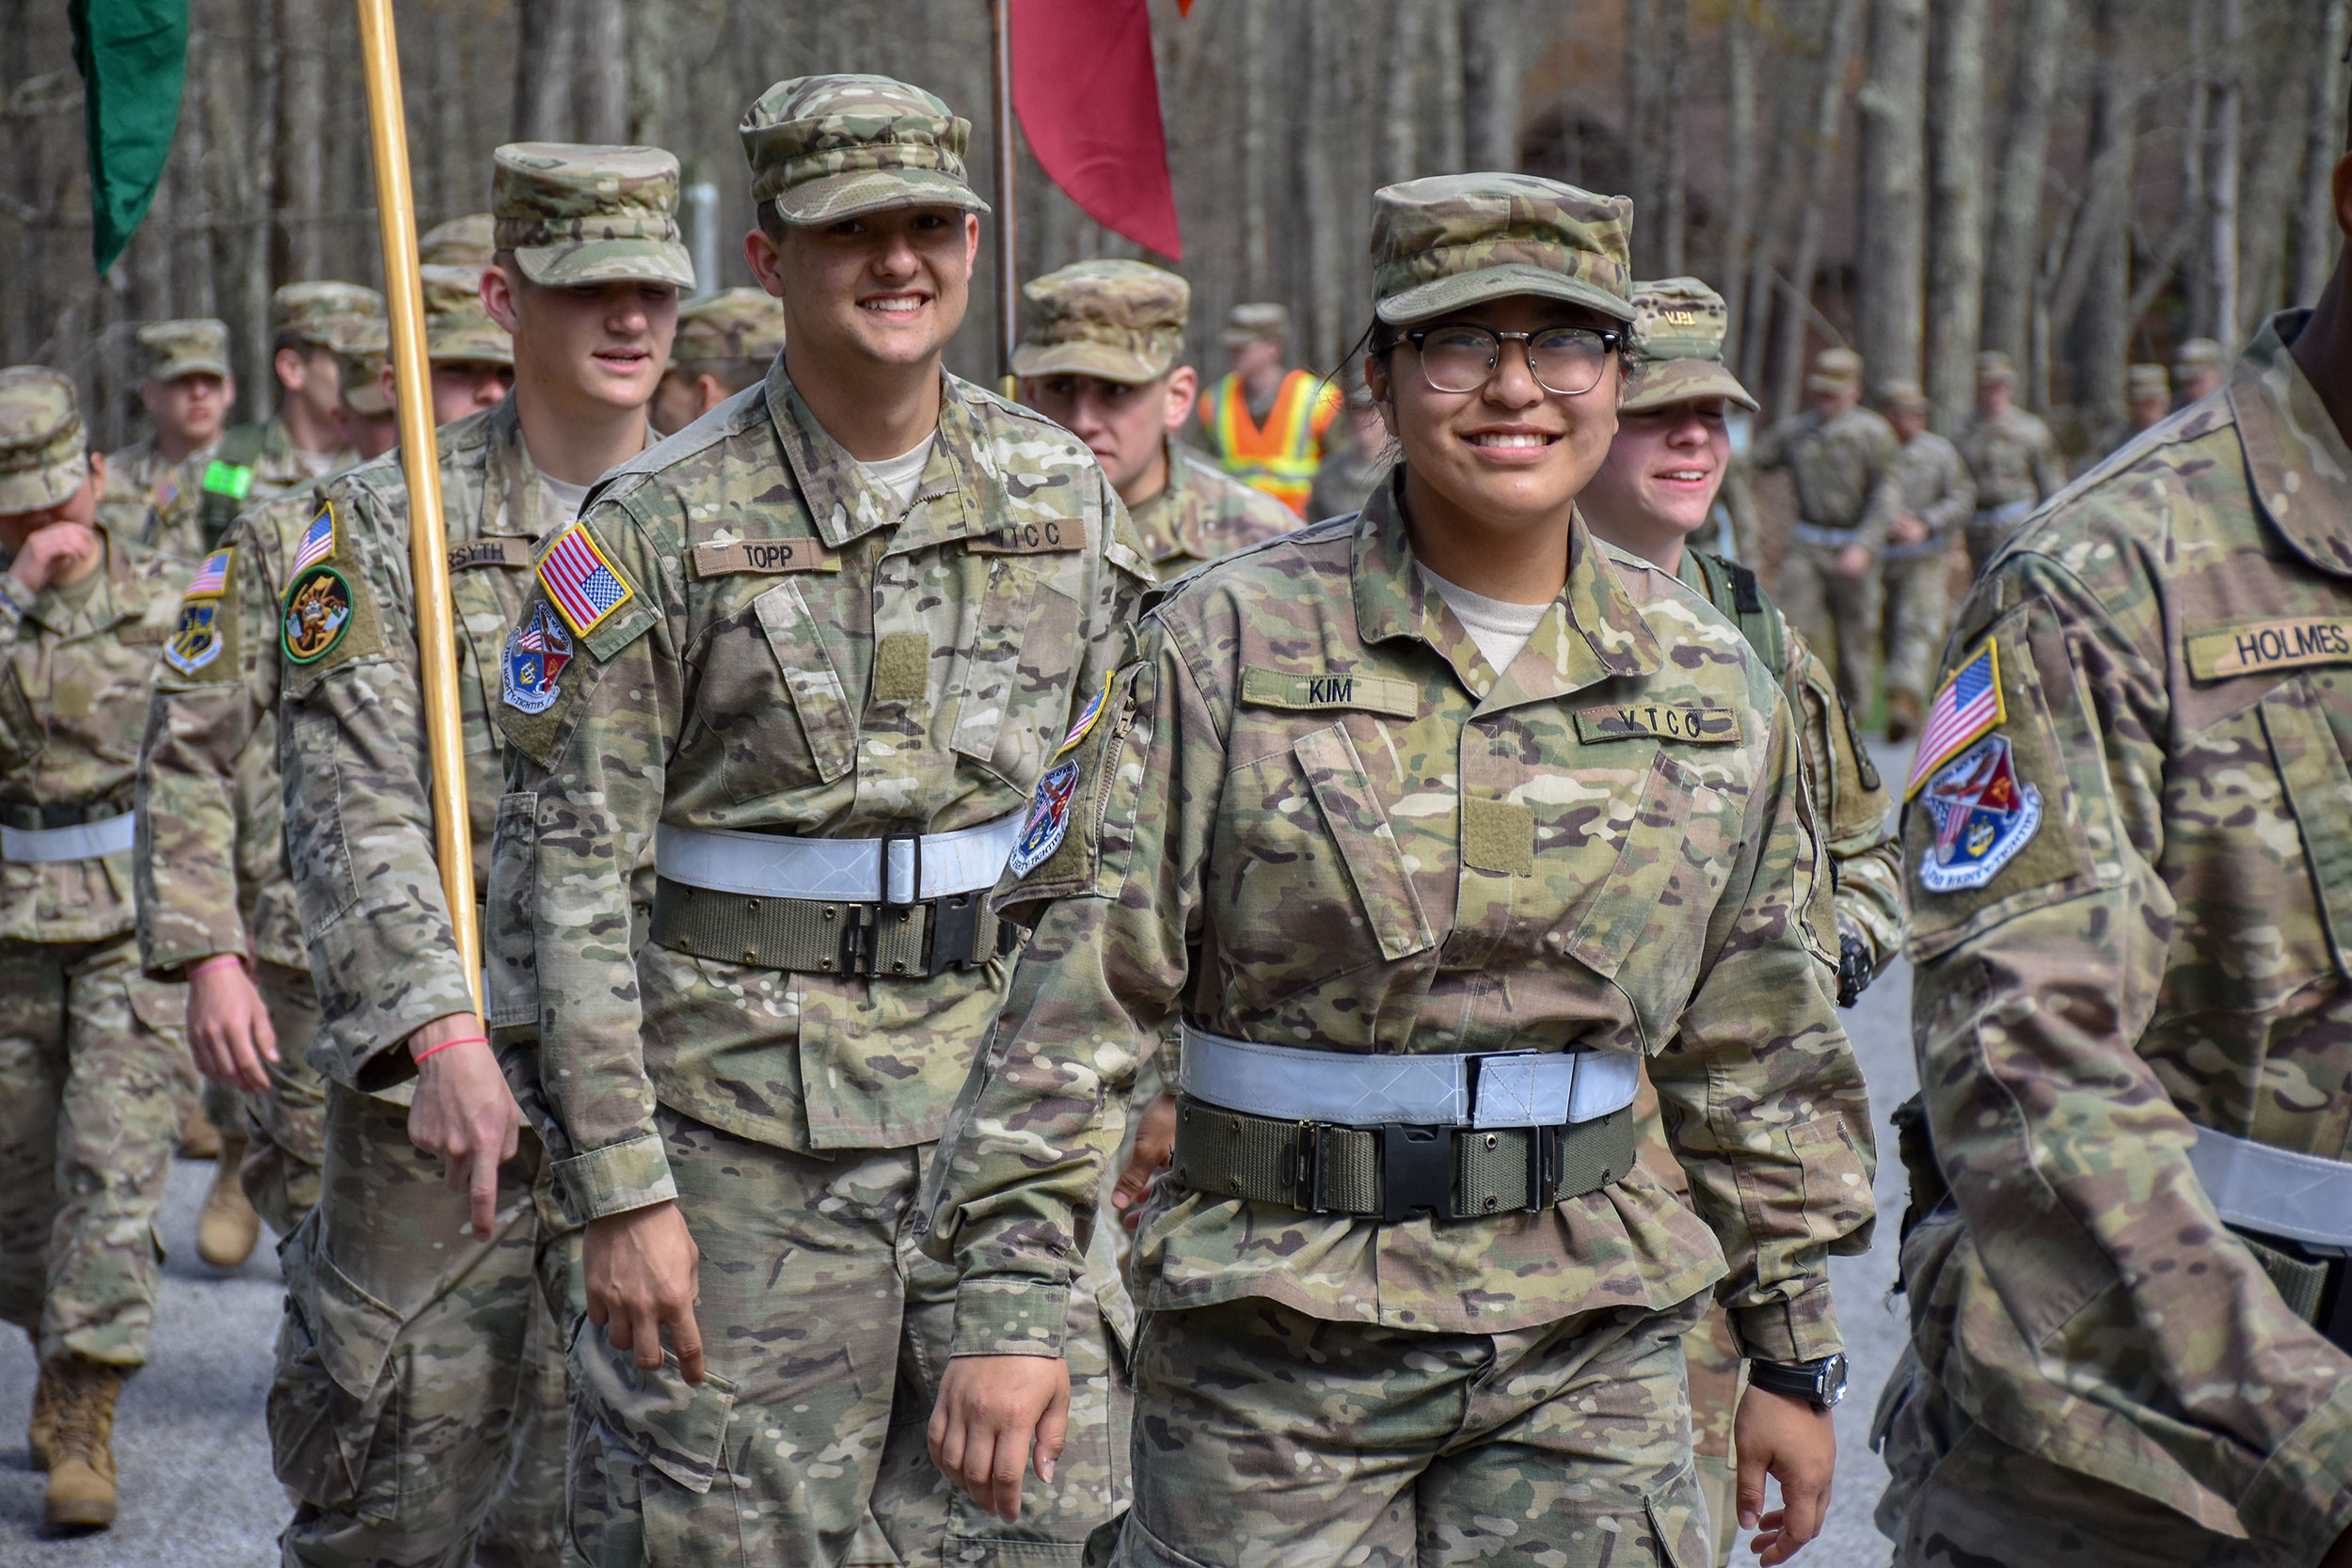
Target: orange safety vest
(1281, 456)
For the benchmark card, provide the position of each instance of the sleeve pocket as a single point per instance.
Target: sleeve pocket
(325, 886)
(1357, 826)
(510, 953)
(2319, 790)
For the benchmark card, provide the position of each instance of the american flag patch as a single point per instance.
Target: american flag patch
(1968, 706)
(212, 578)
(318, 542)
(581, 581)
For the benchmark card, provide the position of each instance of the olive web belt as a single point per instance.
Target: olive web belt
(832, 937)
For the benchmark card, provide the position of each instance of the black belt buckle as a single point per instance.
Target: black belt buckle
(1416, 1172)
(1543, 1167)
(1307, 1178)
(860, 939)
(955, 927)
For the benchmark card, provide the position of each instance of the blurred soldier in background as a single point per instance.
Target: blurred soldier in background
(466, 242)
(187, 393)
(724, 344)
(1347, 476)
(2010, 455)
(1939, 497)
(88, 1043)
(363, 352)
(1098, 359)
(2147, 399)
(1842, 457)
(1268, 424)
(305, 438)
(2199, 369)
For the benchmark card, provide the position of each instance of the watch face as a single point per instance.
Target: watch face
(1832, 1381)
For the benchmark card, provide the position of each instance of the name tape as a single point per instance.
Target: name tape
(763, 555)
(2250, 647)
(1373, 693)
(1701, 726)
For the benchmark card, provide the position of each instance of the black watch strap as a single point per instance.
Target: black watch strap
(1820, 1383)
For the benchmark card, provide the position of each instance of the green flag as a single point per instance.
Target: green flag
(134, 57)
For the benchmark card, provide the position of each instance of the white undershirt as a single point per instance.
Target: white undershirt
(1499, 628)
(318, 464)
(900, 475)
(563, 498)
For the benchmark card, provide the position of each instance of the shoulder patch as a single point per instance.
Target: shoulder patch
(1048, 822)
(317, 542)
(2252, 647)
(1085, 721)
(318, 612)
(212, 578)
(581, 583)
(762, 555)
(1283, 689)
(1967, 706)
(196, 641)
(1684, 721)
(536, 651)
(1982, 815)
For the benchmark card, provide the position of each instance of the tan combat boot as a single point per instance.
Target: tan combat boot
(81, 1462)
(198, 1139)
(1902, 717)
(41, 1434)
(228, 1228)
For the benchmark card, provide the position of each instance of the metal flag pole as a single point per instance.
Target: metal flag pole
(1008, 215)
(420, 461)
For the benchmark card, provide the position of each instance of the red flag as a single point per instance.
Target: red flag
(1089, 102)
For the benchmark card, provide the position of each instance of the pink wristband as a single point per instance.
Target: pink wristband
(217, 960)
(462, 1039)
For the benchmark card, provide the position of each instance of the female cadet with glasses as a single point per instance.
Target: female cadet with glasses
(1413, 833)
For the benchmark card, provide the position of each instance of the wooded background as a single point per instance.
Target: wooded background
(2076, 182)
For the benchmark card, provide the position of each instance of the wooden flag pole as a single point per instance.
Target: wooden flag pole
(420, 461)
(1007, 214)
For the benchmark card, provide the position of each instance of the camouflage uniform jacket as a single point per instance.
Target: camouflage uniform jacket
(2014, 458)
(1936, 487)
(1857, 815)
(212, 873)
(1312, 815)
(2167, 950)
(352, 745)
(1202, 514)
(73, 681)
(143, 500)
(888, 669)
(1844, 468)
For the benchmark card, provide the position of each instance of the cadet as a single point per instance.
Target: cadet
(1435, 1317)
(2147, 401)
(1268, 425)
(2131, 1340)
(216, 896)
(1939, 497)
(2199, 367)
(87, 1044)
(1346, 477)
(470, 241)
(1656, 491)
(305, 439)
(725, 342)
(187, 393)
(1099, 360)
(392, 1338)
(1842, 457)
(814, 651)
(2010, 455)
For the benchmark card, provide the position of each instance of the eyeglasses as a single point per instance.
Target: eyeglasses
(1460, 357)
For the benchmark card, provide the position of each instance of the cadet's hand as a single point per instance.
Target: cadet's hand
(1855, 560)
(643, 1272)
(229, 1030)
(989, 1407)
(1908, 529)
(1798, 1445)
(51, 552)
(1156, 1140)
(464, 1112)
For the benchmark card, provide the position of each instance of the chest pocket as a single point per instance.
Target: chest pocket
(2310, 762)
(1015, 697)
(23, 737)
(774, 696)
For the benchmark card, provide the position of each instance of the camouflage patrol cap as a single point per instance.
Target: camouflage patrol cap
(2198, 354)
(466, 242)
(1993, 365)
(1457, 239)
(1122, 320)
(310, 313)
(1903, 396)
(1260, 322)
(575, 214)
(361, 343)
(1835, 370)
(827, 147)
(45, 454)
(1678, 326)
(2147, 381)
(733, 324)
(457, 327)
(174, 349)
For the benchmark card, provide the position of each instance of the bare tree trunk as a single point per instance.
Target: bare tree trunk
(1325, 62)
(1491, 70)
(602, 105)
(2093, 292)
(2013, 259)
(1400, 152)
(1892, 189)
(1674, 174)
(2315, 237)
(1446, 150)
(2197, 217)
(1739, 200)
(2221, 170)
(1256, 87)
(2268, 200)
(1828, 105)
(546, 57)
(301, 146)
(1645, 89)
(1791, 108)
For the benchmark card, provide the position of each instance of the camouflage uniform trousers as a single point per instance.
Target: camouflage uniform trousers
(1918, 609)
(285, 1128)
(417, 1410)
(825, 1331)
(1262, 1435)
(1834, 611)
(87, 1046)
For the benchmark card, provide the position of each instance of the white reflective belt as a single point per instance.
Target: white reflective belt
(849, 869)
(2304, 1198)
(1516, 1089)
(82, 841)
(2005, 514)
(1829, 538)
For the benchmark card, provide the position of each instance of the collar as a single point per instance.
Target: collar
(1162, 519)
(2297, 459)
(1594, 633)
(846, 505)
(511, 499)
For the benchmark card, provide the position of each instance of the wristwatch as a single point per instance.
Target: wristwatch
(1820, 1383)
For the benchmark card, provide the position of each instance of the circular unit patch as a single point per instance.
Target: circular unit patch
(318, 612)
